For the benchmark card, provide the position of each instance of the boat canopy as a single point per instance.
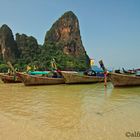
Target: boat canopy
(38, 72)
(97, 69)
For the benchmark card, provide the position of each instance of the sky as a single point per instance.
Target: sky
(110, 29)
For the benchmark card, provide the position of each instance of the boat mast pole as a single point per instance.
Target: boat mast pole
(105, 72)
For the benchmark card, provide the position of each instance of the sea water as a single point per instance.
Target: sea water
(69, 112)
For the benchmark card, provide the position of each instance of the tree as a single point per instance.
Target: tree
(3, 68)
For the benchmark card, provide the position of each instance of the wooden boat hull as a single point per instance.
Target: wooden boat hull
(120, 80)
(10, 79)
(74, 78)
(29, 80)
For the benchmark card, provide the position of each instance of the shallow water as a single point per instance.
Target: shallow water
(68, 112)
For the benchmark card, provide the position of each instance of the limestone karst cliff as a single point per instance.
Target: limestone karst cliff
(65, 34)
(62, 42)
(8, 47)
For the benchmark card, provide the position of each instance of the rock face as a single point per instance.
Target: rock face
(65, 31)
(8, 48)
(62, 42)
(27, 46)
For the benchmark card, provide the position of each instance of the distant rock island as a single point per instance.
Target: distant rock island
(62, 42)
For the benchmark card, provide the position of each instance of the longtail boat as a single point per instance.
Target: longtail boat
(75, 78)
(10, 78)
(119, 80)
(29, 80)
